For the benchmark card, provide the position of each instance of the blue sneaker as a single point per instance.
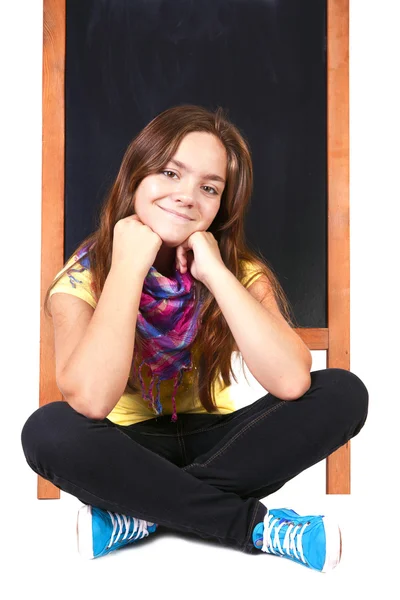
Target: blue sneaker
(312, 541)
(101, 531)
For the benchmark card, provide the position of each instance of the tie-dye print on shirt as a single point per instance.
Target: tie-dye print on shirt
(77, 280)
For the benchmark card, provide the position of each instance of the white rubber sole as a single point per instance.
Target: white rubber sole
(84, 533)
(333, 544)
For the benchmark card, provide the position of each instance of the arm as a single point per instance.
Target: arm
(96, 373)
(275, 355)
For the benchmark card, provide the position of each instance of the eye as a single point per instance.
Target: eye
(211, 188)
(168, 172)
(214, 191)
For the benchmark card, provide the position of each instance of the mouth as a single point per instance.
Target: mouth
(185, 219)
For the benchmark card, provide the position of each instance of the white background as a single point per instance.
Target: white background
(39, 543)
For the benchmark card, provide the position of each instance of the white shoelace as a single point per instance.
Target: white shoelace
(139, 527)
(292, 541)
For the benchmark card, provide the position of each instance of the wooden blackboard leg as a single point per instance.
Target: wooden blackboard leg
(46, 490)
(53, 165)
(338, 354)
(338, 471)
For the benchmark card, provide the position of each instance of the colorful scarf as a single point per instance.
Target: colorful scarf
(168, 322)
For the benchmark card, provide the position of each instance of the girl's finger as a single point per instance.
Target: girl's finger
(178, 260)
(182, 256)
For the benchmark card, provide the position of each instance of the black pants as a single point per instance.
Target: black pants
(206, 473)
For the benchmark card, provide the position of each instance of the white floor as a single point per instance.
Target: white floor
(45, 563)
(42, 559)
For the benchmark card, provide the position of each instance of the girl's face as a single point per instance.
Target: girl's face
(191, 184)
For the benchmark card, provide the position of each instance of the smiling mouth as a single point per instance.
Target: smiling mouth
(176, 216)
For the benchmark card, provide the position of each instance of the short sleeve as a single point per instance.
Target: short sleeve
(77, 281)
(250, 269)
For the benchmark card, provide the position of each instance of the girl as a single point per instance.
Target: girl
(146, 315)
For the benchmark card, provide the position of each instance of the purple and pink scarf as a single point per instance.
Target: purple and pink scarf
(168, 322)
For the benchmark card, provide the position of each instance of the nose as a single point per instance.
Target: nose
(184, 197)
(186, 189)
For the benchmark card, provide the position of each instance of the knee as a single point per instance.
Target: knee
(40, 433)
(348, 392)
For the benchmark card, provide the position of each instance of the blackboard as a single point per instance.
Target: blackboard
(263, 61)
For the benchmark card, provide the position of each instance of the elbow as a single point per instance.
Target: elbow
(297, 390)
(82, 402)
(82, 407)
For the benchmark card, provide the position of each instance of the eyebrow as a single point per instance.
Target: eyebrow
(212, 176)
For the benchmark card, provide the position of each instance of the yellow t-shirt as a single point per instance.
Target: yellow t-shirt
(132, 407)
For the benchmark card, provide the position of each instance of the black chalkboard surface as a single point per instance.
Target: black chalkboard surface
(263, 61)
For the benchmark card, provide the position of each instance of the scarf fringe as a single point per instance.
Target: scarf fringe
(155, 404)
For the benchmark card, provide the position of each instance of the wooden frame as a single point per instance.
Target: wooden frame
(336, 338)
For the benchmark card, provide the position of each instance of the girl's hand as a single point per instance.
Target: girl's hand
(135, 245)
(200, 254)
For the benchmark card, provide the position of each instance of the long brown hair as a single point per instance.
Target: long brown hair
(148, 153)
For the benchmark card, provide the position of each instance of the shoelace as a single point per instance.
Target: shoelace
(139, 527)
(292, 540)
